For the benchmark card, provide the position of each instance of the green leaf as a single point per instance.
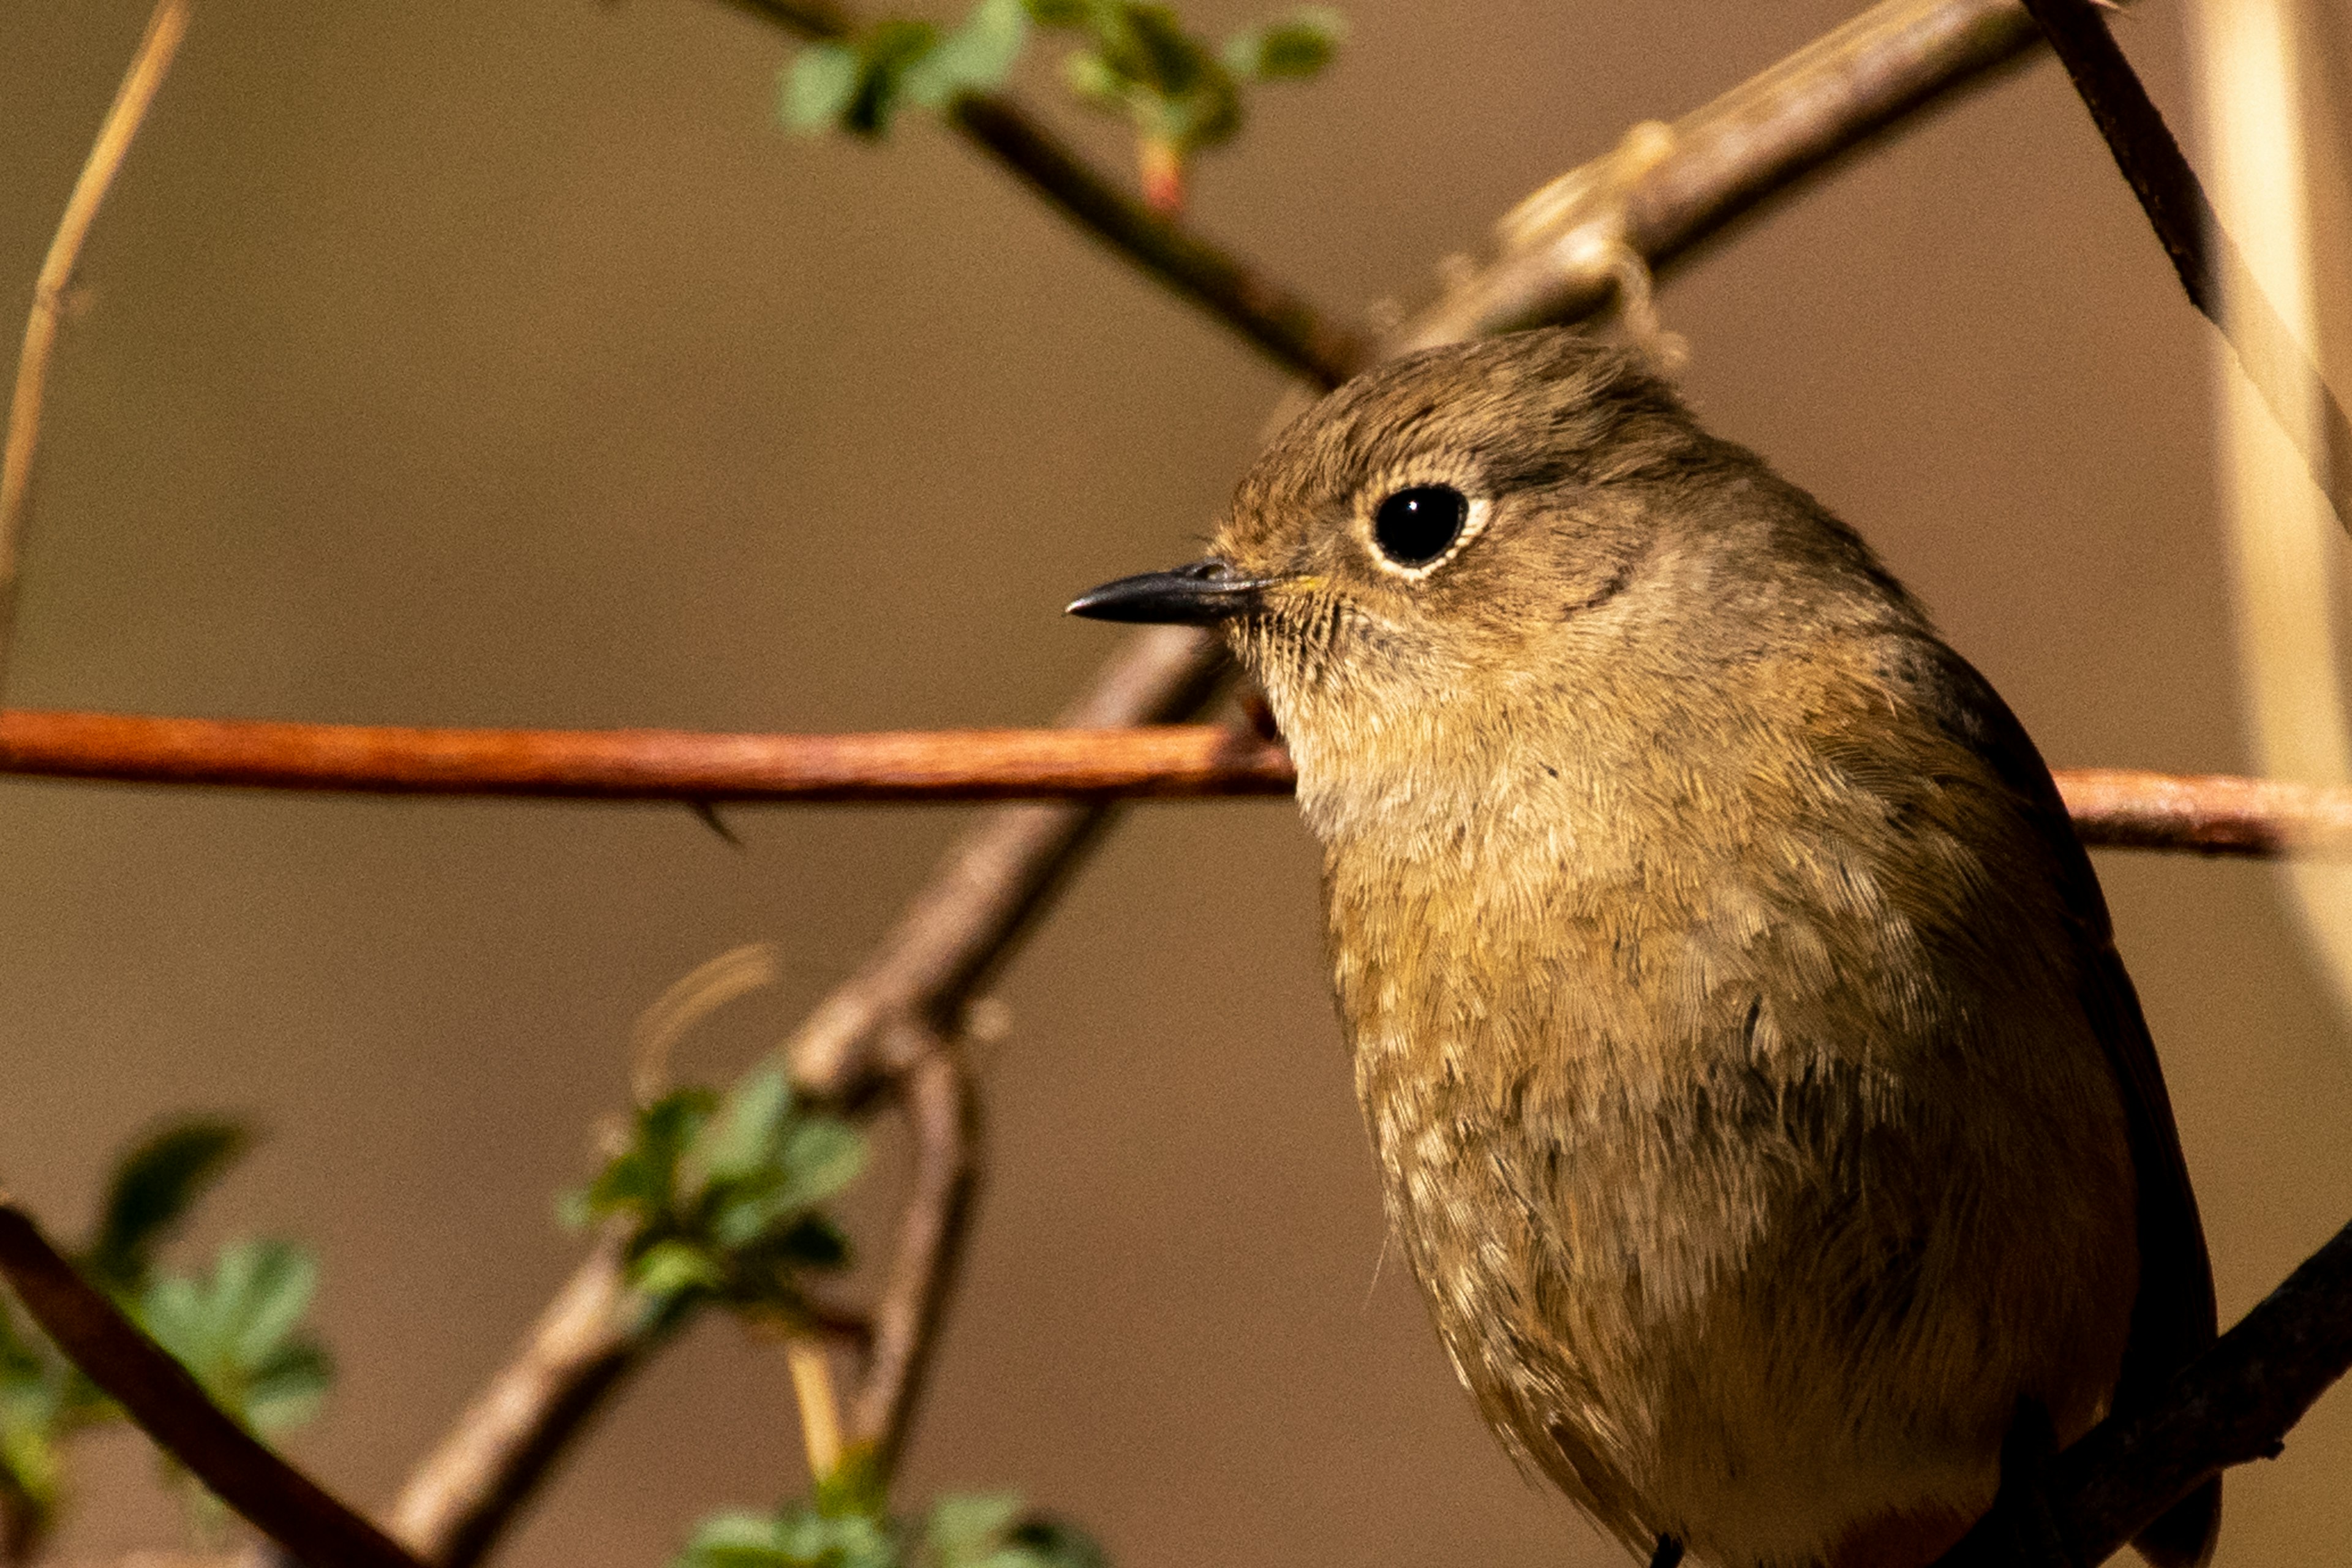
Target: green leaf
(1043, 1541)
(888, 53)
(815, 91)
(975, 57)
(821, 1155)
(734, 1541)
(287, 1390)
(1294, 46)
(671, 1269)
(29, 1456)
(813, 1540)
(744, 1136)
(1063, 13)
(856, 1484)
(642, 1180)
(964, 1530)
(1090, 76)
(1153, 48)
(275, 1282)
(238, 1331)
(815, 1242)
(574, 1209)
(799, 1538)
(154, 1185)
(22, 1365)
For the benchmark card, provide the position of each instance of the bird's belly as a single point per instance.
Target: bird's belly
(1761, 1307)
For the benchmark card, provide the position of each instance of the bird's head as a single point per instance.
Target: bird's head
(1446, 537)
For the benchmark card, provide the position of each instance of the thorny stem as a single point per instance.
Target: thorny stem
(2112, 807)
(165, 28)
(169, 1405)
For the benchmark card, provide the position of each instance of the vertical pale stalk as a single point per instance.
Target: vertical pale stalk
(2284, 538)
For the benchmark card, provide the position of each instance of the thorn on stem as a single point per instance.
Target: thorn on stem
(707, 814)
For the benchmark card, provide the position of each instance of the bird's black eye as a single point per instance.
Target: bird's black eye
(1414, 527)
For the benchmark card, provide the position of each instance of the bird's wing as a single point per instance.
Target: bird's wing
(2173, 1317)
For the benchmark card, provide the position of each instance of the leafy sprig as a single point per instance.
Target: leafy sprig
(1134, 59)
(990, 1530)
(721, 1193)
(236, 1328)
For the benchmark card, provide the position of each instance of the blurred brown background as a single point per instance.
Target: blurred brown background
(501, 363)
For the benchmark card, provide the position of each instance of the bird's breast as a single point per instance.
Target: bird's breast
(1684, 1116)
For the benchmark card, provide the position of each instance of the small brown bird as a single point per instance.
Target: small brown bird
(1760, 1099)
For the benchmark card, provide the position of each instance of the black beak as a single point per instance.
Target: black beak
(1201, 595)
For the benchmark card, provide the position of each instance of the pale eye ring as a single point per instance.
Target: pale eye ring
(1418, 526)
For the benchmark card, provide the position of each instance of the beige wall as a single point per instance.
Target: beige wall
(496, 363)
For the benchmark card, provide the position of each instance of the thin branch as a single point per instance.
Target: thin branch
(641, 765)
(965, 923)
(148, 67)
(273, 1495)
(1667, 189)
(943, 1114)
(2207, 813)
(1271, 315)
(589, 1338)
(2232, 1404)
(811, 1360)
(2212, 270)
(2113, 807)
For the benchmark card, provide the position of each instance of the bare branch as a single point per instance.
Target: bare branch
(641, 765)
(1668, 188)
(2208, 813)
(943, 1114)
(273, 1495)
(2232, 1404)
(2112, 807)
(1260, 307)
(966, 921)
(2212, 270)
(165, 28)
(585, 1344)
(980, 901)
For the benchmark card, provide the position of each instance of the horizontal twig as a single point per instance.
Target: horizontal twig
(2208, 813)
(273, 1495)
(642, 764)
(2232, 1404)
(2113, 807)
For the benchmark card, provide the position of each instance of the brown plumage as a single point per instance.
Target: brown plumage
(1761, 1102)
